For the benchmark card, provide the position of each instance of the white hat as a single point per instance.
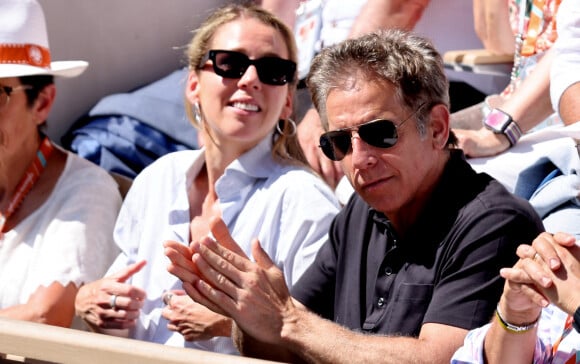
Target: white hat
(24, 43)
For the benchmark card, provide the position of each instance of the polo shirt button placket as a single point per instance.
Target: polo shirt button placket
(381, 302)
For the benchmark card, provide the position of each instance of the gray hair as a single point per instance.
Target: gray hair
(406, 60)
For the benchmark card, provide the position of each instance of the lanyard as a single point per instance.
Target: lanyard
(534, 24)
(28, 180)
(565, 332)
(526, 39)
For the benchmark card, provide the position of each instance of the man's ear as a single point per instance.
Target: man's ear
(43, 103)
(439, 122)
(192, 88)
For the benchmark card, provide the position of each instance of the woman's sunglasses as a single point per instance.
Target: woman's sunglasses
(380, 133)
(231, 64)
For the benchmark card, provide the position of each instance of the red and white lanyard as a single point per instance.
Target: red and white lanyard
(567, 329)
(536, 19)
(30, 177)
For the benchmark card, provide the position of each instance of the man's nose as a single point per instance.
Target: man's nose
(362, 153)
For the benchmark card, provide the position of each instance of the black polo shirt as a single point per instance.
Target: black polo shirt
(446, 270)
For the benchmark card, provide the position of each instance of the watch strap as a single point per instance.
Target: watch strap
(508, 127)
(512, 132)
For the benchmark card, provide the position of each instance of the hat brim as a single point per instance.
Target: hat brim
(59, 68)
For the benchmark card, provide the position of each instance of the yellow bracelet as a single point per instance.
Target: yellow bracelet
(516, 329)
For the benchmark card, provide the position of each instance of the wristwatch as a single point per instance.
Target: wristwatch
(501, 122)
(576, 322)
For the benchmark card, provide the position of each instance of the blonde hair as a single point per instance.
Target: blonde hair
(285, 146)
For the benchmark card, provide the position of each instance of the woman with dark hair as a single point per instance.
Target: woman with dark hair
(56, 209)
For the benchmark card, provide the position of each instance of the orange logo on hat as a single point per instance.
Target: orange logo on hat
(35, 55)
(31, 54)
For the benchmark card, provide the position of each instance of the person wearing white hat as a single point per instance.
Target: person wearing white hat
(57, 210)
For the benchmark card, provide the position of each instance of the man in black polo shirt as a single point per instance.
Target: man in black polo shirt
(414, 256)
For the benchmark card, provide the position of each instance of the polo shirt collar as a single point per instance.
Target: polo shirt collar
(441, 209)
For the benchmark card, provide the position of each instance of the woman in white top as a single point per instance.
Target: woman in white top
(251, 173)
(57, 211)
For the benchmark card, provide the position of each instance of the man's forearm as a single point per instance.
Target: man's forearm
(503, 346)
(249, 346)
(492, 25)
(283, 9)
(530, 103)
(385, 14)
(316, 340)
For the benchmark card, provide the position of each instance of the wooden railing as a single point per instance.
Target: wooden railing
(28, 342)
(478, 61)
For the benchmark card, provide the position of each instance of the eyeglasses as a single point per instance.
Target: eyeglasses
(271, 70)
(380, 133)
(6, 91)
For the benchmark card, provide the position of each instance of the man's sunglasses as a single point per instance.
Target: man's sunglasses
(231, 64)
(380, 133)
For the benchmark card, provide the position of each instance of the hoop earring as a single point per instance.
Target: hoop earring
(281, 129)
(197, 113)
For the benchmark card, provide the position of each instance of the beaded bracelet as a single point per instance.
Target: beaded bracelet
(516, 329)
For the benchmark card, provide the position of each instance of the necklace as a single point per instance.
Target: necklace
(519, 41)
(27, 181)
(526, 39)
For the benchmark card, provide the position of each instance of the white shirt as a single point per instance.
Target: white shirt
(565, 69)
(287, 208)
(550, 329)
(69, 238)
(338, 17)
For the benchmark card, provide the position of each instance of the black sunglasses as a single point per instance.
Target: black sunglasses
(380, 133)
(231, 64)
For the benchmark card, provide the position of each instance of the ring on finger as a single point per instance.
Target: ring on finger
(537, 257)
(167, 298)
(113, 301)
